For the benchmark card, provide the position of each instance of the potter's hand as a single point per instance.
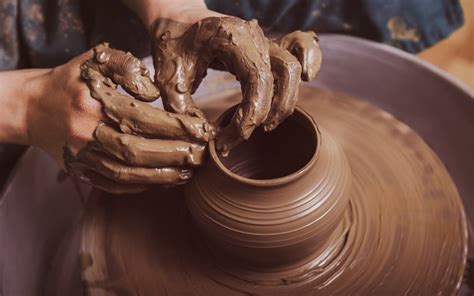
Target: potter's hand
(269, 72)
(111, 140)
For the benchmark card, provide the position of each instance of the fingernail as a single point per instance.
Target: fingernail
(185, 174)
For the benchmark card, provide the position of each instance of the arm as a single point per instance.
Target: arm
(186, 11)
(17, 94)
(110, 140)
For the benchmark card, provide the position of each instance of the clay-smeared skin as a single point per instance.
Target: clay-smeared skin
(405, 232)
(268, 72)
(127, 71)
(298, 43)
(126, 155)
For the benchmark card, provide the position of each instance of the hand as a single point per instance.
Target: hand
(269, 72)
(108, 139)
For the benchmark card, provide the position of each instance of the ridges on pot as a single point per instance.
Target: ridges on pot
(277, 201)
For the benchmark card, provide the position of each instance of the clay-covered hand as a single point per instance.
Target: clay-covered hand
(269, 71)
(109, 139)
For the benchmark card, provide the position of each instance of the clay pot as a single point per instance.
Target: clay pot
(277, 201)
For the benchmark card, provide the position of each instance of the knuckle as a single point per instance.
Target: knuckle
(129, 151)
(80, 131)
(82, 98)
(84, 103)
(261, 76)
(287, 111)
(120, 174)
(82, 58)
(294, 66)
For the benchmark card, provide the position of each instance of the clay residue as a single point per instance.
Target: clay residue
(127, 71)
(404, 230)
(149, 152)
(136, 145)
(305, 47)
(399, 30)
(269, 72)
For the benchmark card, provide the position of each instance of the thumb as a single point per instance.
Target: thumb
(177, 74)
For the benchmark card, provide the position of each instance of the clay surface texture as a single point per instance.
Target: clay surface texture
(399, 230)
(269, 71)
(136, 144)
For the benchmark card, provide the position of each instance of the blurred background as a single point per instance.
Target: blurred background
(455, 54)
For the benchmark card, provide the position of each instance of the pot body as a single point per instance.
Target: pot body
(276, 223)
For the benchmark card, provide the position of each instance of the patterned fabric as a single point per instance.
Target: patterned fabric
(47, 33)
(411, 25)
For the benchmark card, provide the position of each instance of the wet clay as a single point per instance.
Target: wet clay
(137, 144)
(269, 72)
(125, 70)
(275, 203)
(405, 231)
(255, 158)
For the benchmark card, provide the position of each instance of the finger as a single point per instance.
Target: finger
(243, 49)
(138, 151)
(105, 184)
(287, 72)
(84, 174)
(126, 70)
(305, 46)
(175, 87)
(119, 172)
(135, 117)
(176, 72)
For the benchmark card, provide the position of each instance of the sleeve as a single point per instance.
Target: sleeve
(9, 59)
(407, 24)
(9, 35)
(40, 33)
(36, 33)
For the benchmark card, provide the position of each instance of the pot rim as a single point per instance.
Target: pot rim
(275, 181)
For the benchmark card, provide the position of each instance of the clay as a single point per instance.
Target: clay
(268, 72)
(125, 70)
(405, 233)
(272, 204)
(148, 152)
(182, 54)
(137, 145)
(134, 117)
(305, 46)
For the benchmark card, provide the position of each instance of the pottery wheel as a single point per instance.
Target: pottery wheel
(407, 236)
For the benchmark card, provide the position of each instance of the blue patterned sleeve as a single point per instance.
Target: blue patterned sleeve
(407, 24)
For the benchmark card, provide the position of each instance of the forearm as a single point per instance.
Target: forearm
(186, 11)
(16, 95)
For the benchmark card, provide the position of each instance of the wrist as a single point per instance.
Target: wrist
(184, 11)
(188, 13)
(18, 92)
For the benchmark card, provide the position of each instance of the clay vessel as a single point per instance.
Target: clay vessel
(278, 201)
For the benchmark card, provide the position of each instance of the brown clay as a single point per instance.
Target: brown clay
(137, 145)
(402, 230)
(278, 200)
(184, 52)
(122, 158)
(125, 70)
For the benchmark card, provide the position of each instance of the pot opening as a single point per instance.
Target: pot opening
(287, 150)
